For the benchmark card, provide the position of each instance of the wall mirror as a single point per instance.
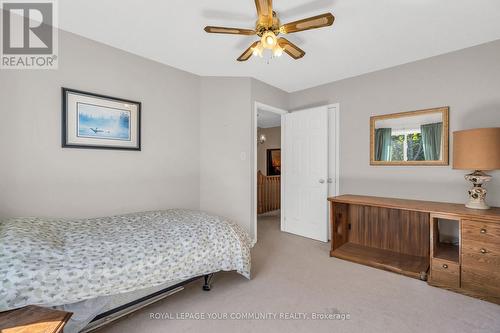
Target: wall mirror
(410, 138)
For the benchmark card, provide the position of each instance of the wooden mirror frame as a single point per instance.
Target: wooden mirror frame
(445, 160)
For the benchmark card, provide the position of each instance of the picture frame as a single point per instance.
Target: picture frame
(95, 121)
(407, 119)
(273, 162)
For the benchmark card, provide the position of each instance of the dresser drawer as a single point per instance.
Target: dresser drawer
(483, 232)
(482, 283)
(445, 274)
(481, 255)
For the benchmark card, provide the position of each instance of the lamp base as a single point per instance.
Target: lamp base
(477, 194)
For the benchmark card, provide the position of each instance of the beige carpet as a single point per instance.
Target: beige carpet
(295, 274)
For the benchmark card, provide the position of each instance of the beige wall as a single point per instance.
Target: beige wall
(226, 168)
(38, 177)
(467, 80)
(273, 141)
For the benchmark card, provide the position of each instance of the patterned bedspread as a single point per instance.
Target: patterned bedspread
(59, 261)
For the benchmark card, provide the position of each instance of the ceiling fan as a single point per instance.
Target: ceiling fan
(268, 27)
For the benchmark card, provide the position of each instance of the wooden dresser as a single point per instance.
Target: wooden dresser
(407, 237)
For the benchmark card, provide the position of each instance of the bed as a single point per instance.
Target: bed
(102, 263)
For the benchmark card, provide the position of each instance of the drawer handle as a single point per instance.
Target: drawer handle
(445, 266)
(483, 231)
(483, 251)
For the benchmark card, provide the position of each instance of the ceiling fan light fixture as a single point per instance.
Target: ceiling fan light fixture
(269, 40)
(277, 51)
(258, 50)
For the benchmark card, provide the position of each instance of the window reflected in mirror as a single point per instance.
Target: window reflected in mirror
(413, 138)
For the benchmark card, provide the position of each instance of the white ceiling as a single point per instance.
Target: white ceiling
(367, 35)
(266, 119)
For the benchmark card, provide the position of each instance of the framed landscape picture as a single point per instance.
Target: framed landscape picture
(101, 122)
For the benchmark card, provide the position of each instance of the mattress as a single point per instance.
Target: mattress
(52, 262)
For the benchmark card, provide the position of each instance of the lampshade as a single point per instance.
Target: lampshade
(477, 149)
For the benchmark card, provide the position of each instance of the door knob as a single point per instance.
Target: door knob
(330, 180)
(321, 181)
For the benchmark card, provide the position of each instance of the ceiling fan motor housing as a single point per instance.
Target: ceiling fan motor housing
(261, 27)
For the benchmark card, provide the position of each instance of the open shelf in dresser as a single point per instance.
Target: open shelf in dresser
(390, 238)
(445, 237)
(449, 252)
(401, 263)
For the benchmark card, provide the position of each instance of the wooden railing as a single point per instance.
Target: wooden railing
(268, 193)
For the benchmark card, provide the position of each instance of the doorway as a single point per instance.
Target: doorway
(266, 171)
(298, 172)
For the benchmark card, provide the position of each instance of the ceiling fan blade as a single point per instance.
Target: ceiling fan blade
(248, 52)
(265, 11)
(232, 31)
(290, 48)
(320, 21)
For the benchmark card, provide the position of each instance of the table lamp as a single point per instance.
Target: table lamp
(479, 150)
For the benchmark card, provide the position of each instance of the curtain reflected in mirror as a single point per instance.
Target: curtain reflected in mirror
(431, 136)
(383, 144)
(414, 138)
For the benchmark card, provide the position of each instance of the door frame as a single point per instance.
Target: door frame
(334, 122)
(253, 216)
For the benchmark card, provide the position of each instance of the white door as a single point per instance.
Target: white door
(305, 173)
